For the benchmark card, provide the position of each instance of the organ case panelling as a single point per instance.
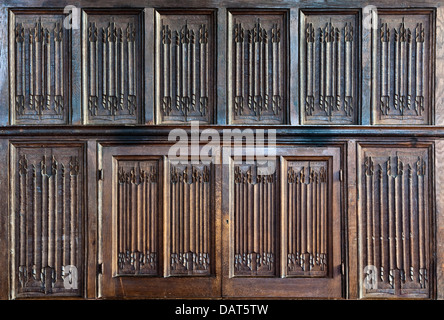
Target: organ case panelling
(306, 218)
(39, 67)
(395, 219)
(403, 57)
(257, 66)
(185, 66)
(137, 217)
(329, 60)
(47, 220)
(254, 233)
(112, 60)
(189, 215)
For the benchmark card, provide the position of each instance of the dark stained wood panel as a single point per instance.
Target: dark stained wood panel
(307, 213)
(185, 55)
(138, 190)
(48, 220)
(257, 66)
(329, 67)
(112, 57)
(40, 64)
(403, 60)
(395, 236)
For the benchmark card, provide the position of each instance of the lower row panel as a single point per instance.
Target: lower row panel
(250, 227)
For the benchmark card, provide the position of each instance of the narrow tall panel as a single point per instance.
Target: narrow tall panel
(403, 56)
(189, 221)
(137, 217)
(185, 66)
(112, 62)
(39, 66)
(255, 223)
(307, 218)
(329, 64)
(257, 66)
(395, 223)
(48, 221)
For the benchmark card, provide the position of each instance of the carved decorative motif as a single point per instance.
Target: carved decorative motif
(329, 63)
(395, 222)
(307, 211)
(254, 222)
(403, 69)
(137, 217)
(113, 56)
(40, 70)
(258, 68)
(190, 218)
(185, 53)
(48, 221)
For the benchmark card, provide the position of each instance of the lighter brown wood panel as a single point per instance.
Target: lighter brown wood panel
(394, 223)
(112, 56)
(307, 209)
(48, 221)
(402, 73)
(39, 62)
(254, 222)
(329, 61)
(185, 66)
(257, 66)
(189, 222)
(138, 192)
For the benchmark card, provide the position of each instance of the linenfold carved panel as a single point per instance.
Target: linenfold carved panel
(190, 216)
(137, 217)
(39, 64)
(329, 63)
(257, 66)
(307, 223)
(394, 222)
(402, 74)
(112, 56)
(47, 218)
(185, 66)
(255, 200)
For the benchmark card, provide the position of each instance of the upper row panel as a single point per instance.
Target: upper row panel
(279, 66)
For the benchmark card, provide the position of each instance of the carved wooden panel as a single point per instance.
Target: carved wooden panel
(137, 220)
(306, 200)
(403, 57)
(257, 66)
(255, 197)
(185, 66)
(395, 222)
(189, 217)
(47, 220)
(39, 65)
(329, 65)
(112, 58)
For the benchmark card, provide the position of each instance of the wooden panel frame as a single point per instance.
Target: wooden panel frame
(279, 286)
(163, 285)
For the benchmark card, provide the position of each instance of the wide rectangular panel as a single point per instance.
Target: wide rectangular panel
(137, 215)
(40, 65)
(257, 66)
(158, 227)
(189, 220)
(185, 54)
(47, 200)
(255, 208)
(403, 60)
(329, 67)
(307, 208)
(282, 230)
(112, 60)
(395, 221)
